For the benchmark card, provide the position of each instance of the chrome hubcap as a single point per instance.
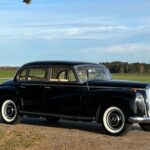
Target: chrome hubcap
(114, 120)
(10, 110)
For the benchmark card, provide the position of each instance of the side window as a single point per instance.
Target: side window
(22, 75)
(71, 76)
(62, 74)
(37, 74)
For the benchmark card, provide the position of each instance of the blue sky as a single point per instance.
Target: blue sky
(82, 30)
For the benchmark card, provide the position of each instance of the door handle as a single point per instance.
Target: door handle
(47, 87)
(23, 87)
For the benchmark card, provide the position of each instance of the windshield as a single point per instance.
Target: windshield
(93, 73)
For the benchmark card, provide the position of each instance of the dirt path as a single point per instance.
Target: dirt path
(69, 135)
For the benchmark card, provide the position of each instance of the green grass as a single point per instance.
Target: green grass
(6, 74)
(132, 77)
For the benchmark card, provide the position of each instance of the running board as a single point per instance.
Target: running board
(57, 116)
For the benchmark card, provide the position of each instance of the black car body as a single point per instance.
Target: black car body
(78, 91)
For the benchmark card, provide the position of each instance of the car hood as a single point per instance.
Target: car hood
(118, 83)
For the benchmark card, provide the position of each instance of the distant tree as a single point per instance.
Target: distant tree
(122, 69)
(27, 1)
(142, 68)
(125, 67)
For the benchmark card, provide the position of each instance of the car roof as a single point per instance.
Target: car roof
(63, 63)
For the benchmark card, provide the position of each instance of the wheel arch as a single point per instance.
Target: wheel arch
(123, 104)
(10, 92)
(120, 98)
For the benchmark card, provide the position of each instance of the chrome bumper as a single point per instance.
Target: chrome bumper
(139, 119)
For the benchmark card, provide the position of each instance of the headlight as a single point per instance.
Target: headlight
(148, 95)
(139, 98)
(148, 98)
(140, 103)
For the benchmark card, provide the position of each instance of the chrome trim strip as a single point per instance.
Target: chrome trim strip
(139, 119)
(112, 87)
(97, 87)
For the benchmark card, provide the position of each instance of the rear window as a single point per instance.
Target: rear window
(37, 74)
(62, 74)
(22, 75)
(33, 74)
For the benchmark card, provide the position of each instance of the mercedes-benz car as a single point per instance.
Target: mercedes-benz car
(77, 91)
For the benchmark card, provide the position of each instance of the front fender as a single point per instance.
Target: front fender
(94, 102)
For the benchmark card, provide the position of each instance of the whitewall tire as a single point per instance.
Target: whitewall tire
(114, 121)
(9, 112)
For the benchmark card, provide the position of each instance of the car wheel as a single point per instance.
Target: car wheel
(114, 121)
(9, 112)
(145, 126)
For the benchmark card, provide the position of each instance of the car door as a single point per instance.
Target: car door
(63, 92)
(32, 88)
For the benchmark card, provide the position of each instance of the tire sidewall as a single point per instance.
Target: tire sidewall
(4, 105)
(110, 131)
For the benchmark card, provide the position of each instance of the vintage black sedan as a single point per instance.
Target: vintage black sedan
(78, 91)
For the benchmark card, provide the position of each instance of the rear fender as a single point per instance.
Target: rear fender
(10, 91)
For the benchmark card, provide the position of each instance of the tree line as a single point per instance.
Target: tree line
(125, 67)
(8, 68)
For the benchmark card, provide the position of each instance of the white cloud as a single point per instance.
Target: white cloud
(72, 31)
(123, 49)
(131, 48)
(96, 32)
(69, 32)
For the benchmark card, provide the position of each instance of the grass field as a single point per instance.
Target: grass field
(134, 77)
(8, 74)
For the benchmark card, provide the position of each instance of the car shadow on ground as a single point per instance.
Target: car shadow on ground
(136, 127)
(84, 126)
(67, 124)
